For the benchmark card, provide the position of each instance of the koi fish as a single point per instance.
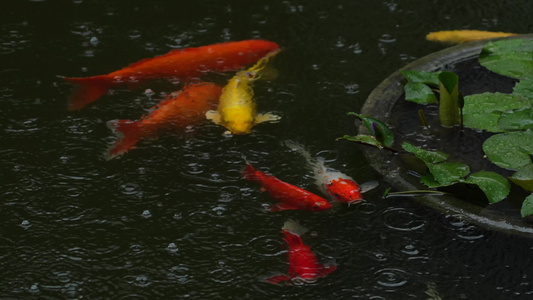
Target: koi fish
(289, 196)
(336, 184)
(464, 36)
(303, 263)
(237, 108)
(184, 64)
(175, 112)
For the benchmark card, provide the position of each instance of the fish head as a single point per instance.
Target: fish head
(239, 120)
(344, 190)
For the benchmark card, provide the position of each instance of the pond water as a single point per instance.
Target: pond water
(173, 218)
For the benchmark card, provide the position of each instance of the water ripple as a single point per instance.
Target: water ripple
(402, 220)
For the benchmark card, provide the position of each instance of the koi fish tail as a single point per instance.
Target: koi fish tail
(277, 279)
(300, 149)
(128, 134)
(292, 239)
(87, 90)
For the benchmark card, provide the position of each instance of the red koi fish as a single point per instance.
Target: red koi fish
(184, 64)
(336, 184)
(303, 263)
(175, 112)
(289, 196)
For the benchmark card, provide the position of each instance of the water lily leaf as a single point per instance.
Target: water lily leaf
(448, 173)
(363, 139)
(510, 150)
(483, 121)
(509, 57)
(527, 206)
(429, 157)
(419, 93)
(494, 185)
(516, 120)
(483, 111)
(429, 180)
(421, 76)
(524, 177)
(372, 123)
(524, 88)
(489, 102)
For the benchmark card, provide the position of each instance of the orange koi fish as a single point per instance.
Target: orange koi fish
(303, 264)
(464, 36)
(184, 64)
(175, 112)
(289, 196)
(336, 184)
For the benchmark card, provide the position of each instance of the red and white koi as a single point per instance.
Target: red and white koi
(303, 264)
(331, 182)
(287, 195)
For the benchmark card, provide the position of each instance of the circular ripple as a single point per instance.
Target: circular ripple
(464, 229)
(402, 220)
(266, 246)
(391, 277)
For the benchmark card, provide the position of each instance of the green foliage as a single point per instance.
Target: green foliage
(383, 136)
(449, 99)
(442, 173)
(417, 89)
(511, 57)
(510, 150)
(527, 206)
(524, 177)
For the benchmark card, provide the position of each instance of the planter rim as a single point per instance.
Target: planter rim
(380, 104)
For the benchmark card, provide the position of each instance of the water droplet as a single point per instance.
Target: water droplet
(172, 248)
(146, 214)
(94, 41)
(25, 224)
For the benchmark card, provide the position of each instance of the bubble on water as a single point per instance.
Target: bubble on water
(149, 92)
(146, 214)
(172, 248)
(25, 224)
(94, 41)
(34, 288)
(129, 188)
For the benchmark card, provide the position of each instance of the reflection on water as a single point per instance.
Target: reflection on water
(173, 218)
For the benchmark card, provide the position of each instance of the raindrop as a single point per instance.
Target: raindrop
(129, 188)
(25, 224)
(146, 214)
(391, 277)
(34, 288)
(172, 248)
(94, 41)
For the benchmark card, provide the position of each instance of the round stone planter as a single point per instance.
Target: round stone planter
(381, 104)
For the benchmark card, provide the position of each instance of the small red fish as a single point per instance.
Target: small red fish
(185, 64)
(336, 184)
(303, 263)
(289, 196)
(175, 112)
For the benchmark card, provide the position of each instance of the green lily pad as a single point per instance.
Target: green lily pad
(363, 139)
(483, 111)
(510, 150)
(509, 57)
(516, 120)
(527, 206)
(524, 88)
(415, 76)
(419, 93)
(483, 121)
(385, 131)
(448, 173)
(524, 177)
(430, 157)
(494, 185)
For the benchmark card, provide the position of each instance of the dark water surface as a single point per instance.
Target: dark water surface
(173, 218)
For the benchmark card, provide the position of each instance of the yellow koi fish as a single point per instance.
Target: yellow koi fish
(464, 36)
(237, 109)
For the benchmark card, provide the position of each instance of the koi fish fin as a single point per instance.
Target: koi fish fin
(293, 227)
(268, 117)
(292, 239)
(128, 134)
(282, 206)
(249, 172)
(278, 279)
(87, 90)
(214, 116)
